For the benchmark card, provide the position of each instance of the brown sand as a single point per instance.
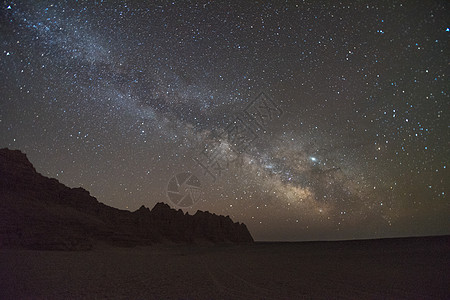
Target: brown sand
(392, 269)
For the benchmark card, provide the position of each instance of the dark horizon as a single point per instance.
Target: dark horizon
(360, 240)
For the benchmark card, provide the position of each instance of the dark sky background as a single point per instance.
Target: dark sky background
(118, 97)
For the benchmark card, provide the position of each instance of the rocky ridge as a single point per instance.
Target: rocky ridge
(38, 212)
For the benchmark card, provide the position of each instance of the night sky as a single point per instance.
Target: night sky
(305, 120)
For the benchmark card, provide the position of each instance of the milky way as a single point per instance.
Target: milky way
(119, 97)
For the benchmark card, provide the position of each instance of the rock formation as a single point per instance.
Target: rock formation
(41, 213)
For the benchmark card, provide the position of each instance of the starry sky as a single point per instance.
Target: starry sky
(305, 120)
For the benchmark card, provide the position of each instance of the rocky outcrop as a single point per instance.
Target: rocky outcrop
(41, 213)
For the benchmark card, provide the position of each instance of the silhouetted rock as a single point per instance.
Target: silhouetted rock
(37, 212)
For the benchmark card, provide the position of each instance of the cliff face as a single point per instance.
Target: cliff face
(41, 213)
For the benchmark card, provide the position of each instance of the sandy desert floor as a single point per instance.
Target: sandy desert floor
(319, 270)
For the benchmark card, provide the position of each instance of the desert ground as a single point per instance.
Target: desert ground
(388, 269)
